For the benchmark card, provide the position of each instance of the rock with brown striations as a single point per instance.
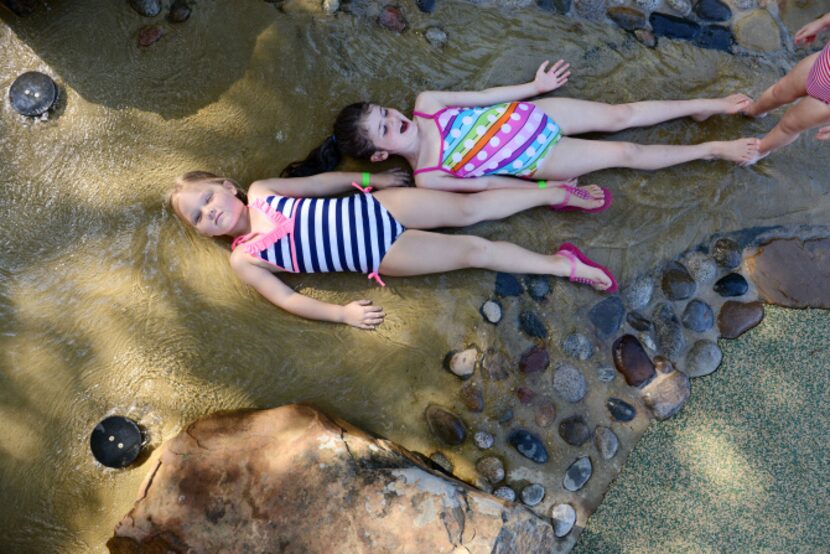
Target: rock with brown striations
(736, 318)
(792, 273)
(445, 425)
(632, 361)
(666, 394)
(292, 479)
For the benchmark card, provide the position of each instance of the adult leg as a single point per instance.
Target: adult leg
(574, 157)
(422, 252)
(427, 209)
(807, 114)
(789, 88)
(575, 117)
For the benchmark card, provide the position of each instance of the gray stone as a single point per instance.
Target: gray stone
(702, 268)
(508, 285)
(436, 36)
(569, 383)
(677, 283)
(666, 394)
(445, 425)
(564, 518)
(607, 315)
(758, 31)
(463, 363)
(638, 294)
(647, 5)
(648, 341)
(578, 346)
(532, 325)
(538, 286)
(606, 374)
(606, 442)
(639, 322)
(703, 358)
(528, 445)
(442, 461)
(578, 474)
(590, 9)
(483, 440)
(147, 8)
(505, 493)
(491, 311)
(533, 494)
(698, 316)
(620, 409)
(683, 7)
(491, 468)
(670, 337)
(726, 253)
(574, 430)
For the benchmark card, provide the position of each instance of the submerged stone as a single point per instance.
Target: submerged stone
(491, 311)
(666, 394)
(698, 316)
(632, 361)
(533, 494)
(670, 26)
(508, 285)
(677, 283)
(491, 468)
(620, 409)
(627, 18)
(726, 253)
(736, 318)
(538, 286)
(437, 37)
(578, 474)
(505, 493)
(715, 37)
(545, 413)
(607, 315)
(147, 8)
(758, 31)
(483, 440)
(606, 442)
(149, 34)
(670, 336)
(574, 430)
(639, 321)
(569, 383)
(578, 346)
(683, 7)
(494, 366)
(392, 18)
(426, 6)
(606, 374)
(534, 360)
(646, 38)
(463, 363)
(505, 416)
(525, 395)
(590, 9)
(528, 445)
(442, 461)
(792, 272)
(703, 358)
(557, 6)
(730, 285)
(638, 294)
(702, 268)
(532, 325)
(33, 93)
(445, 425)
(179, 11)
(713, 10)
(564, 518)
(472, 396)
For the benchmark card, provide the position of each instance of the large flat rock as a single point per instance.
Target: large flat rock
(792, 272)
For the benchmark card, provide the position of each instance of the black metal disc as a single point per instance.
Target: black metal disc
(116, 441)
(33, 93)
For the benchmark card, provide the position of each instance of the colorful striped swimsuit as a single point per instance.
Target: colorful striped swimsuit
(818, 81)
(505, 139)
(317, 235)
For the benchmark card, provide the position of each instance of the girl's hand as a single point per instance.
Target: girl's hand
(807, 34)
(396, 177)
(551, 79)
(362, 314)
(823, 133)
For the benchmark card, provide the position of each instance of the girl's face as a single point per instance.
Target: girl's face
(389, 130)
(211, 208)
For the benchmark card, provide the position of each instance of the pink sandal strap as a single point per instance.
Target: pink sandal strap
(564, 203)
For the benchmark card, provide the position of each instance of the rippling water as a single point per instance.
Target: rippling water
(109, 306)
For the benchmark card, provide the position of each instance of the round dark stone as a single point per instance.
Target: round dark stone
(557, 6)
(491, 468)
(607, 315)
(631, 360)
(473, 397)
(33, 93)
(715, 37)
(528, 445)
(627, 18)
(639, 321)
(525, 395)
(620, 409)
(733, 284)
(698, 316)
(538, 286)
(713, 10)
(665, 25)
(532, 325)
(147, 8)
(736, 318)
(426, 6)
(534, 360)
(445, 425)
(392, 18)
(574, 430)
(677, 283)
(149, 34)
(491, 311)
(508, 285)
(179, 11)
(579, 346)
(533, 494)
(578, 474)
(726, 253)
(669, 331)
(116, 441)
(505, 493)
(506, 416)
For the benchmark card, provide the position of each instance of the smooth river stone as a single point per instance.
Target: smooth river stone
(578, 474)
(532, 325)
(445, 425)
(620, 409)
(436, 36)
(533, 494)
(731, 285)
(538, 286)
(792, 273)
(667, 394)
(677, 283)
(673, 27)
(569, 383)
(491, 311)
(545, 413)
(736, 318)
(525, 395)
(726, 253)
(494, 365)
(472, 396)
(179, 11)
(638, 294)
(508, 285)
(392, 18)
(638, 321)
(564, 518)
(670, 336)
(702, 268)
(716, 37)
(683, 7)
(442, 461)
(713, 10)
(703, 358)
(149, 34)
(528, 445)
(505, 493)
(698, 316)
(534, 360)
(483, 440)
(758, 31)
(607, 315)
(606, 442)
(147, 8)
(578, 346)
(632, 361)
(491, 468)
(574, 430)
(463, 363)
(627, 18)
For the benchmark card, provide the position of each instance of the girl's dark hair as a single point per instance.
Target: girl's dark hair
(349, 138)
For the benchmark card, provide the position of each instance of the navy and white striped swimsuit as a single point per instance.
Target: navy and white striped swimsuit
(318, 235)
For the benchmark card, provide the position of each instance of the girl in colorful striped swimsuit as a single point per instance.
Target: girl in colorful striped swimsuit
(292, 225)
(808, 81)
(472, 141)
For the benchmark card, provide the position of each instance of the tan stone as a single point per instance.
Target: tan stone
(792, 272)
(292, 479)
(758, 31)
(667, 394)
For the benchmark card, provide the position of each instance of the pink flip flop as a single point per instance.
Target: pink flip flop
(579, 193)
(570, 251)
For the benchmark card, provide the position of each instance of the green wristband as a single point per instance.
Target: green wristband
(364, 179)
(542, 184)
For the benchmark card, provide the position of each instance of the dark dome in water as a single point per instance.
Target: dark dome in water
(33, 93)
(116, 441)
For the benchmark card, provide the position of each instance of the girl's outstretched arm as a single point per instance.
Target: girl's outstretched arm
(809, 32)
(546, 80)
(326, 184)
(360, 313)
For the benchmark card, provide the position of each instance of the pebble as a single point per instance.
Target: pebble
(528, 445)
(736, 318)
(670, 26)
(606, 442)
(491, 311)
(545, 413)
(578, 346)
(574, 430)
(758, 31)
(505, 493)
(670, 336)
(578, 474)
(663, 364)
(483, 440)
(677, 283)
(147, 8)
(620, 409)
(647, 5)
(638, 321)
(426, 6)
(590, 9)
(330, 7)
(437, 37)
(473, 397)
(647, 341)
(698, 316)
(631, 360)
(667, 394)
(627, 18)
(445, 425)
(702, 268)
(726, 253)
(731, 285)
(533, 494)
(506, 416)
(525, 395)
(532, 325)
(463, 363)
(491, 468)
(494, 365)
(149, 34)
(538, 286)
(442, 461)
(564, 518)
(683, 7)
(508, 285)
(646, 38)
(638, 294)
(713, 10)
(703, 358)
(607, 315)
(534, 360)
(606, 374)
(179, 11)
(569, 383)
(715, 37)
(392, 18)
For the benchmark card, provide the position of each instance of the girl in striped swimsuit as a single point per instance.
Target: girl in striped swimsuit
(472, 141)
(808, 81)
(292, 225)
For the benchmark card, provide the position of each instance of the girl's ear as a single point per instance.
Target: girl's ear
(379, 156)
(228, 186)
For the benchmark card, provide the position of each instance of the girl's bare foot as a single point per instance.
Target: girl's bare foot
(757, 157)
(732, 104)
(751, 111)
(741, 151)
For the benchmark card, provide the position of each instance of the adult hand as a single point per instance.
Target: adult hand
(362, 314)
(823, 133)
(396, 177)
(807, 34)
(551, 79)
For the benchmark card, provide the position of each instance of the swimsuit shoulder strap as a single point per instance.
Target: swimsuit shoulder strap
(282, 227)
(441, 131)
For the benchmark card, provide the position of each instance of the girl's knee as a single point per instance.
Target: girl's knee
(479, 252)
(468, 210)
(627, 153)
(621, 115)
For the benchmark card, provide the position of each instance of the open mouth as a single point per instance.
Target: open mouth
(404, 126)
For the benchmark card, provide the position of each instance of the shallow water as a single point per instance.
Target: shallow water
(109, 306)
